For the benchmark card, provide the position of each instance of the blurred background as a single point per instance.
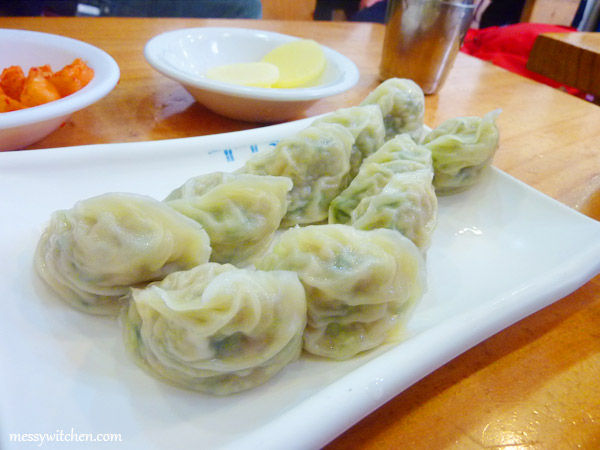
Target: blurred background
(489, 12)
(502, 31)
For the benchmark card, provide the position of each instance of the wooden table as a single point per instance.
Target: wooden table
(572, 59)
(533, 385)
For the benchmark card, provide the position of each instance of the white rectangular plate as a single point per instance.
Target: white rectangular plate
(501, 251)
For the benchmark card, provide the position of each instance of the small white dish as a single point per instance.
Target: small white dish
(18, 129)
(185, 55)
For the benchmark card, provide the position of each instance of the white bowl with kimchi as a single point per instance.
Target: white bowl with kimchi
(22, 124)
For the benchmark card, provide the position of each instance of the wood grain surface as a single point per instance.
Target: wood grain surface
(572, 59)
(558, 12)
(534, 385)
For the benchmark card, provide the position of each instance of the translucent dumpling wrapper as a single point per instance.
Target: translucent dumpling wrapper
(462, 148)
(402, 154)
(366, 125)
(394, 190)
(240, 212)
(407, 203)
(216, 328)
(317, 160)
(359, 284)
(91, 254)
(402, 105)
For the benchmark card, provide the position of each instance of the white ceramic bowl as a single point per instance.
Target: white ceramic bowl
(185, 55)
(21, 128)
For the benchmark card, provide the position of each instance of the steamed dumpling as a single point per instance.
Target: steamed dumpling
(359, 284)
(240, 212)
(92, 253)
(407, 203)
(402, 104)
(317, 160)
(216, 328)
(366, 125)
(402, 154)
(462, 148)
(393, 189)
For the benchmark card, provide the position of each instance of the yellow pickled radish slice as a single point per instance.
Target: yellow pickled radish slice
(257, 74)
(300, 63)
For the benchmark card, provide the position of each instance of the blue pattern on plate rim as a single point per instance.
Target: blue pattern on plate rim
(244, 152)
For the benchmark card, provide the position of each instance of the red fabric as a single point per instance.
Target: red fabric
(509, 47)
